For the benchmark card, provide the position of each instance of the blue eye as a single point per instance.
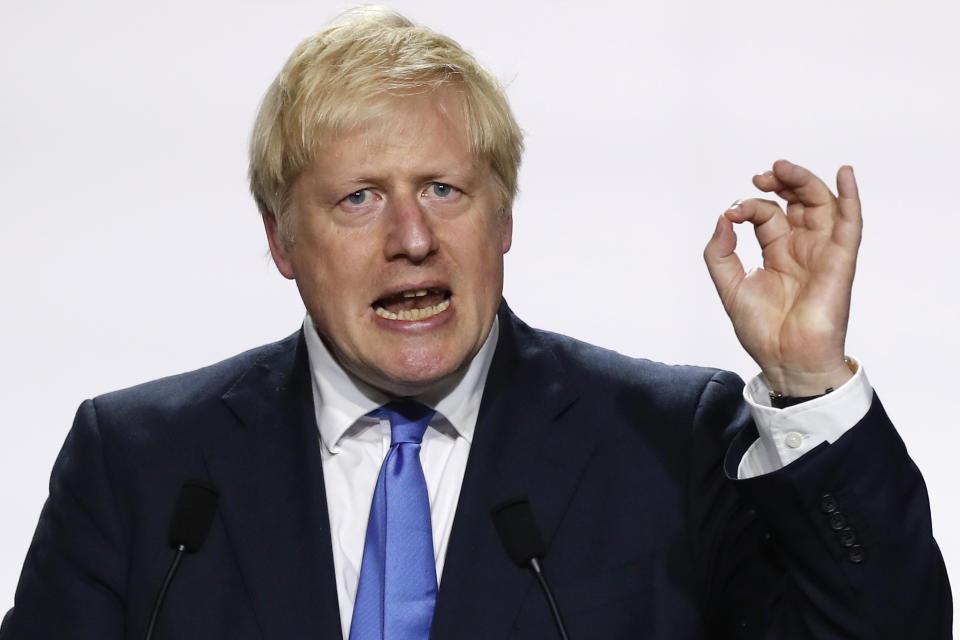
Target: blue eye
(357, 197)
(442, 190)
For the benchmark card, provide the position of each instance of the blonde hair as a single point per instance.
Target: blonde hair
(337, 79)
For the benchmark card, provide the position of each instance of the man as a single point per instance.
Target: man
(384, 162)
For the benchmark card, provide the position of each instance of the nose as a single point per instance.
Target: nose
(410, 234)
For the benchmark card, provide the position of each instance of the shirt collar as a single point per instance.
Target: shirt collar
(341, 400)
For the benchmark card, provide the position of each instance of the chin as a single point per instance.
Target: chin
(416, 374)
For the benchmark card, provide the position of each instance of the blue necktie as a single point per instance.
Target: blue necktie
(398, 577)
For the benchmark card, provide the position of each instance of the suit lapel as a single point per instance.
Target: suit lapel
(268, 467)
(273, 503)
(522, 447)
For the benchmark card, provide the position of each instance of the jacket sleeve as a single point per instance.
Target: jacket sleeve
(837, 544)
(73, 578)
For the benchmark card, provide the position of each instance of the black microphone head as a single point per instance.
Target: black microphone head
(518, 531)
(193, 515)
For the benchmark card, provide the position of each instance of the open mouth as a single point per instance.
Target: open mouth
(413, 304)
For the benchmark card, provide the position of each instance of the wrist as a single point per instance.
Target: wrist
(804, 384)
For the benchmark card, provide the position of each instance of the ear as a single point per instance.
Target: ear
(279, 247)
(506, 230)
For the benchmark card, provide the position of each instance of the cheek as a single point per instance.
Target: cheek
(329, 258)
(498, 243)
(483, 264)
(320, 282)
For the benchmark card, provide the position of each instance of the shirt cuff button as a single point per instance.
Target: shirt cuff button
(794, 440)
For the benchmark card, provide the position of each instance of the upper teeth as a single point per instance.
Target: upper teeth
(419, 293)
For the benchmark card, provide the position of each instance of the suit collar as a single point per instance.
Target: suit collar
(523, 446)
(267, 463)
(273, 503)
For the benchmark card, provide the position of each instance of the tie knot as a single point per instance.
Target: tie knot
(408, 420)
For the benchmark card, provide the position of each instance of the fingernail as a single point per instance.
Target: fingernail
(736, 203)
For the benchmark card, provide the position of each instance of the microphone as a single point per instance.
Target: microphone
(522, 541)
(192, 517)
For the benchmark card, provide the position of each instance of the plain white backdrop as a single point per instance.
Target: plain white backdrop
(131, 249)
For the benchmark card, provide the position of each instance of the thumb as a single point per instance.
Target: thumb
(724, 265)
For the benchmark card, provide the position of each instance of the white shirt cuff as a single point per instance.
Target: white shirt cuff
(787, 434)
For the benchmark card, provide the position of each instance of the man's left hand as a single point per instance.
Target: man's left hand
(791, 314)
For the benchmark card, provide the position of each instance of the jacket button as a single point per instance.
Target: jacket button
(837, 521)
(828, 504)
(848, 537)
(855, 554)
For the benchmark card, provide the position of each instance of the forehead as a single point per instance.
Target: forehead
(438, 109)
(423, 129)
(407, 120)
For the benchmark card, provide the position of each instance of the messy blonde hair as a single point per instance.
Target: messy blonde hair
(337, 79)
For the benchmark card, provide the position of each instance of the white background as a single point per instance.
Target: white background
(131, 249)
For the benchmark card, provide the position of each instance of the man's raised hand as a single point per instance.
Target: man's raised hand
(791, 314)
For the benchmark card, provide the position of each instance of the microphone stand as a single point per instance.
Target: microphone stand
(163, 590)
(554, 609)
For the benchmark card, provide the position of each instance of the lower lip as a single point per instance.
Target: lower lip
(415, 326)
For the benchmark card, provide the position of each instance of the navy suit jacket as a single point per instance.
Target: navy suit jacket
(627, 464)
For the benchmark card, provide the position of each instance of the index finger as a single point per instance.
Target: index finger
(768, 219)
(809, 189)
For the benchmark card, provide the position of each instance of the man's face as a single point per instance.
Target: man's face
(398, 246)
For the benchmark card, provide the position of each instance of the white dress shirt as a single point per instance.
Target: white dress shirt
(353, 446)
(787, 434)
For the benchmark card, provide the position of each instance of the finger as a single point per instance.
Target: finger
(724, 265)
(849, 195)
(850, 228)
(768, 219)
(808, 188)
(769, 182)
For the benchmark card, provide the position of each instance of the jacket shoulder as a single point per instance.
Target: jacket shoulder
(176, 397)
(597, 366)
(674, 399)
